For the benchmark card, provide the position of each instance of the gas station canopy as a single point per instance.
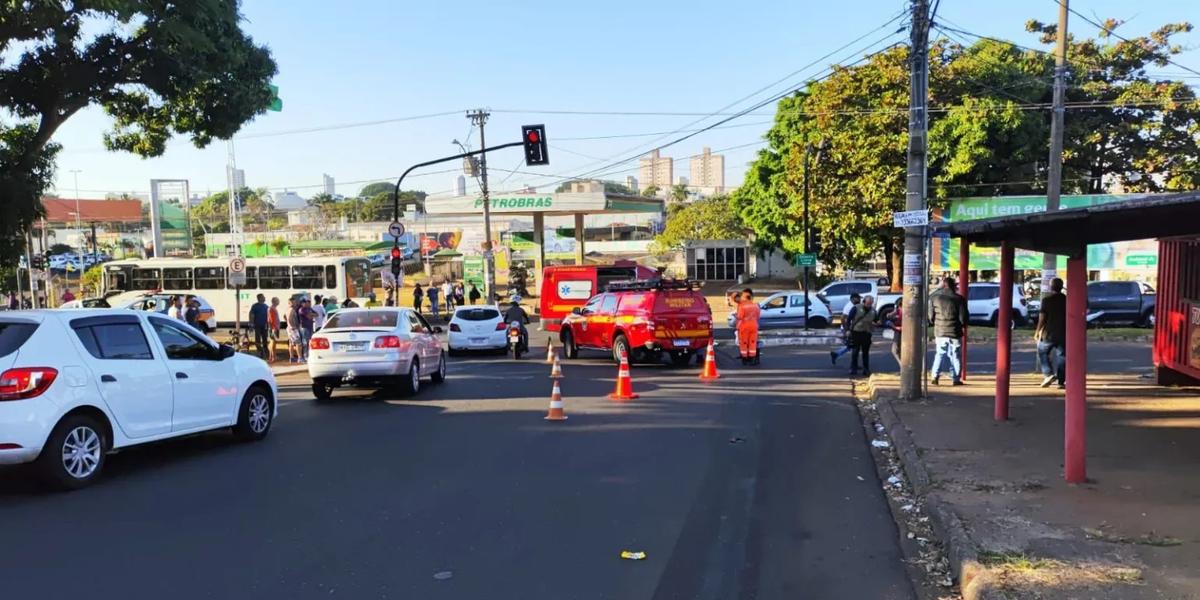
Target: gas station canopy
(552, 204)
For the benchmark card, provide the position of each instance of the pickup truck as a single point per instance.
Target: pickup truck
(836, 294)
(1121, 302)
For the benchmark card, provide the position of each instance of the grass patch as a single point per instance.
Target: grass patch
(1016, 561)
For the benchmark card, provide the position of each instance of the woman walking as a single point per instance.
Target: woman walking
(418, 297)
(860, 335)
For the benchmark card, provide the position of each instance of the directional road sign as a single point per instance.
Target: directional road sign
(806, 260)
(396, 229)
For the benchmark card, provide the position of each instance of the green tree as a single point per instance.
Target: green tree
(678, 193)
(380, 207)
(156, 68)
(379, 187)
(705, 219)
(650, 191)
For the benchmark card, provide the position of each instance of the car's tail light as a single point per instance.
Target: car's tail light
(455, 327)
(27, 382)
(388, 341)
(318, 343)
(501, 326)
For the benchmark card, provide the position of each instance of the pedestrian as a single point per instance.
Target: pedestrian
(861, 325)
(895, 323)
(371, 301)
(306, 315)
(349, 303)
(191, 311)
(67, 296)
(448, 295)
(260, 320)
(293, 330)
(175, 308)
(848, 311)
(273, 327)
(474, 294)
(432, 294)
(459, 297)
(418, 297)
(747, 327)
(948, 315)
(319, 315)
(13, 302)
(1051, 335)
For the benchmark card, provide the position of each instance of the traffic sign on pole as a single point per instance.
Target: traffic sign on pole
(396, 229)
(910, 218)
(236, 273)
(807, 259)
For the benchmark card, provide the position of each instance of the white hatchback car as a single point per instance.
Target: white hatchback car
(375, 348)
(477, 328)
(75, 384)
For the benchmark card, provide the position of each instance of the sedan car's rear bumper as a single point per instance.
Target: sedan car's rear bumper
(464, 341)
(333, 369)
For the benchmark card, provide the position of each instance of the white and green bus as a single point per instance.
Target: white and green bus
(339, 276)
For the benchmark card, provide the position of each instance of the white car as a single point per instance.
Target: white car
(375, 348)
(785, 310)
(983, 303)
(75, 385)
(477, 328)
(161, 303)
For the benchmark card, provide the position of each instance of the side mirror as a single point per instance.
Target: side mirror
(225, 351)
(577, 310)
(437, 329)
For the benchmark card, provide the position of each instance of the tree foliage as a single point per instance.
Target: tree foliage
(988, 135)
(156, 68)
(705, 219)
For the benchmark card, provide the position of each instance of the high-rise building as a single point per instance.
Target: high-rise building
(460, 186)
(708, 172)
(239, 178)
(631, 182)
(656, 170)
(327, 184)
(683, 180)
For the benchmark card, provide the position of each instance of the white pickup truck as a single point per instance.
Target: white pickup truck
(836, 294)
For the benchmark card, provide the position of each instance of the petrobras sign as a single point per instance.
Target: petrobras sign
(539, 203)
(522, 203)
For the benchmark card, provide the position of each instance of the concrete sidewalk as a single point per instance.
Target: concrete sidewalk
(1013, 528)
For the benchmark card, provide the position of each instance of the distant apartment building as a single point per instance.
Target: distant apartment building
(327, 184)
(460, 186)
(708, 172)
(590, 186)
(239, 178)
(655, 170)
(631, 182)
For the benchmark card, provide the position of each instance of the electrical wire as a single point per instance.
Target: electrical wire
(1112, 32)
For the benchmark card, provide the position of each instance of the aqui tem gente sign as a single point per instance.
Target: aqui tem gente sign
(911, 218)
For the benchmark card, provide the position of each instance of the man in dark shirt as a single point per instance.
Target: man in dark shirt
(258, 320)
(306, 315)
(948, 315)
(518, 314)
(1051, 335)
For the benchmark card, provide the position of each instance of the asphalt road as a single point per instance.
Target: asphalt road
(758, 486)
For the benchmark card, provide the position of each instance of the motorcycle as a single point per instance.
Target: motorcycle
(516, 344)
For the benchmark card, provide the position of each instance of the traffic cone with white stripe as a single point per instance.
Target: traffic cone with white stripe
(556, 370)
(624, 390)
(556, 405)
(551, 355)
(710, 364)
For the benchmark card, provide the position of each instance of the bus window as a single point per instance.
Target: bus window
(274, 278)
(177, 279)
(146, 279)
(210, 278)
(251, 278)
(358, 278)
(607, 275)
(330, 277)
(117, 279)
(308, 277)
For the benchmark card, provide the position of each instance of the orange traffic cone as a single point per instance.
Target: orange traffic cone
(624, 389)
(710, 364)
(556, 405)
(556, 370)
(550, 353)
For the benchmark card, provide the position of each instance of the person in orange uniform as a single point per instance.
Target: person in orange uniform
(747, 327)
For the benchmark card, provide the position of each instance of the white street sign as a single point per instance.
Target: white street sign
(911, 218)
(237, 271)
(396, 229)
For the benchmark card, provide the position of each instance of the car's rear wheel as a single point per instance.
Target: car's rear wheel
(255, 415)
(818, 323)
(73, 456)
(680, 359)
(620, 347)
(410, 384)
(570, 350)
(454, 352)
(1146, 320)
(440, 374)
(323, 392)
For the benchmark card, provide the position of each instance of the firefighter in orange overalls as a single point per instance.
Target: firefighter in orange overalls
(747, 327)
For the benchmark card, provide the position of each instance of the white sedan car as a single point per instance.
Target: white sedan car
(375, 348)
(477, 328)
(76, 384)
(785, 310)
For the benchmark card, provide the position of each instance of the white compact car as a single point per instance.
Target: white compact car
(76, 384)
(983, 304)
(477, 328)
(785, 310)
(375, 348)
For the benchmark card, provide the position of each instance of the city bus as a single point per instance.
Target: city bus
(339, 276)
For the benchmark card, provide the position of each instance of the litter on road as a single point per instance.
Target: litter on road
(881, 443)
(631, 555)
(443, 575)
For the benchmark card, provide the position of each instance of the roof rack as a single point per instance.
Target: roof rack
(652, 284)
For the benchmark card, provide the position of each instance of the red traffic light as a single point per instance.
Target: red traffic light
(532, 136)
(395, 252)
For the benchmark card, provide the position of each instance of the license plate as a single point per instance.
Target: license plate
(683, 342)
(478, 341)
(350, 347)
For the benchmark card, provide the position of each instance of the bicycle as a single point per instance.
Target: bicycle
(241, 340)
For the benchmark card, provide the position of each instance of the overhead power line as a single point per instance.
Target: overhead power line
(1112, 32)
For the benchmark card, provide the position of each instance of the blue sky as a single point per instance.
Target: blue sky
(373, 60)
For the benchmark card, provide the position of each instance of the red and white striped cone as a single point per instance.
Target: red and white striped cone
(556, 405)
(624, 389)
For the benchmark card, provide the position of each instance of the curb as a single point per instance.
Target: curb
(277, 371)
(974, 581)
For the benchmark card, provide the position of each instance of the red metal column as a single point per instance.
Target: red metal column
(1075, 446)
(964, 274)
(1004, 333)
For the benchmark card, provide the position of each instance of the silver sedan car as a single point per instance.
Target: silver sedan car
(383, 348)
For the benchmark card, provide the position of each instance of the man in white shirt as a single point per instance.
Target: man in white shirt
(318, 308)
(175, 311)
(448, 295)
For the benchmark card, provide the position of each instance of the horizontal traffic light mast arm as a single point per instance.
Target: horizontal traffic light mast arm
(396, 193)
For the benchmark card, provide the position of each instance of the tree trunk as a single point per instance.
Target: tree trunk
(889, 258)
(895, 268)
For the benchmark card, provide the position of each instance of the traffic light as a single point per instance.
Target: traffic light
(397, 259)
(536, 152)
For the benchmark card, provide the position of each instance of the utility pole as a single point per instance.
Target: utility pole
(912, 345)
(479, 117)
(807, 234)
(1054, 175)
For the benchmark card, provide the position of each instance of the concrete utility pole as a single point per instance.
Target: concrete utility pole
(1054, 168)
(912, 358)
(479, 117)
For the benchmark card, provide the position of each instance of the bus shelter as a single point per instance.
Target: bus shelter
(1173, 219)
(541, 205)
